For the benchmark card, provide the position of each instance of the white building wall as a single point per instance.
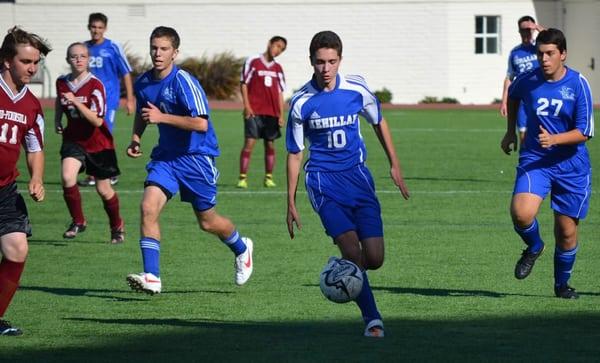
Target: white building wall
(414, 48)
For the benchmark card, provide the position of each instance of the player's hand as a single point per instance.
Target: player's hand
(36, 190)
(58, 128)
(546, 138)
(503, 109)
(280, 121)
(248, 112)
(508, 140)
(133, 150)
(69, 97)
(151, 114)
(130, 106)
(293, 217)
(399, 181)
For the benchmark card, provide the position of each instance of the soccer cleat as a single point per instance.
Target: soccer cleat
(374, 329)
(526, 262)
(73, 230)
(89, 181)
(269, 183)
(144, 282)
(244, 264)
(8, 330)
(565, 292)
(117, 235)
(242, 184)
(114, 180)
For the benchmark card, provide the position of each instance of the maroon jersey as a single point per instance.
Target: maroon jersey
(265, 81)
(21, 123)
(90, 92)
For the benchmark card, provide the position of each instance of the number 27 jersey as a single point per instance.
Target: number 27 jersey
(330, 121)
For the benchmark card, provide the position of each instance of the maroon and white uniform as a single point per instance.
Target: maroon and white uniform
(21, 123)
(265, 81)
(90, 92)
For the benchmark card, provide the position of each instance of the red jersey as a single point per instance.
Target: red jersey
(21, 123)
(90, 92)
(265, 81)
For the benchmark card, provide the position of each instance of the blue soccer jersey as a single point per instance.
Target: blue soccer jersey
(558, 107)
(108, 62)
(521, 59)
(178, 94)
(330, 121)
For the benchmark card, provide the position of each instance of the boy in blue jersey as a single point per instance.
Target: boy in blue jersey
(108, 62)
(340, 187)
(182, 161)
(521, 59)
(555, 160)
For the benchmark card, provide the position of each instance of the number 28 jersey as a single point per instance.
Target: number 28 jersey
(21, 123)
(330, 121)
(558, 107)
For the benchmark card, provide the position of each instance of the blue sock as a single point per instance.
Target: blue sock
(235, 243)
(563, 265)
(366, 301)
(531, 236)
(151, 255)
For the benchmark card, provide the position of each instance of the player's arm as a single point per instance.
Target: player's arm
(139, 126)
(153, 115)
(248, 112)
(571, 137)
(294, 162)
(504, 102)
(35, 164)
(89, 115)
(129, 93)
(281, 105)
(58, 112)
(385, 139)
(510, 137)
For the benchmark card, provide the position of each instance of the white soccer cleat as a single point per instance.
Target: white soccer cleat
(144, 282)
(374, 329)
(244, 264)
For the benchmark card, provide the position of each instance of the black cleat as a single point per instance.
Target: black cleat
(8, 330)
(526, 262)
(565, 292)
(73, 230)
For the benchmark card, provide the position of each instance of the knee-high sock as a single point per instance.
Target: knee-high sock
(366, 301)
(151, 255)
(73, 200)
(531, 236)
(111, 207)
(269, 161)
(244, 161)
(563, 265)
(10, 274)
(235, 243)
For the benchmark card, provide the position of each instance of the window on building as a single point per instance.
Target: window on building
(487, 34)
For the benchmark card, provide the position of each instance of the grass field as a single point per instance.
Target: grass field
(446, 290)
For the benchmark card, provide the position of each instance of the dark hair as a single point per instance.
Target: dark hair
(278, 38)
(325, 39)
(97, 17)
(74, 45)
(18, 36)
(525, 18)
(552, 36)
(166, 32)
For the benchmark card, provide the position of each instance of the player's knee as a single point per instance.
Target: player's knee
(148, 211)
(373, 262)
(522, 219)
(16, 251)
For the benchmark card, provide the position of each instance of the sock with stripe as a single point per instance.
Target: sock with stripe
(563, 265)
(366, 301)
(151, 255)
(531, 236)
(235, 243)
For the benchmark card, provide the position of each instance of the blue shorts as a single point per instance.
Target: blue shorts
(346, 201)
(196, 175)
(521, 118)
(569, 182)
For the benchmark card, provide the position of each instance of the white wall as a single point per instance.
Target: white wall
(414, 48)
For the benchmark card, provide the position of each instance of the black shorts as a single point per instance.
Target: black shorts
(262, 127)
(101, 165)
(13, 211)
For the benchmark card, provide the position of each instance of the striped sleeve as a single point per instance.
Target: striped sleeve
(294, 138)
(584, 108)
(371, 110)
(192, 94)
(123, 66)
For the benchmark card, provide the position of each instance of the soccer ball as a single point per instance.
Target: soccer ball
(341, 280)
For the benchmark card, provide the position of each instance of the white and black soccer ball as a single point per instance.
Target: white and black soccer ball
(341, 280)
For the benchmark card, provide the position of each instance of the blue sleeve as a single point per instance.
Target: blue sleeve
(121, 61)
(515, 90)
(584, 108)
(191, 95)
(294, 133)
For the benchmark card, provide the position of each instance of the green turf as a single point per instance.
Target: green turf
(446, 290)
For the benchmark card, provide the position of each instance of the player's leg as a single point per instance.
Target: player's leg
(14, 250)
(70, 167)
(271, 131)
(103, 166)
(531, 187)
(565, 233)
(251, 133)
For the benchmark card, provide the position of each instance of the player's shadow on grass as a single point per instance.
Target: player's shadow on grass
(448, 292)
(101, 293)
(67, 242)
(450, 179)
